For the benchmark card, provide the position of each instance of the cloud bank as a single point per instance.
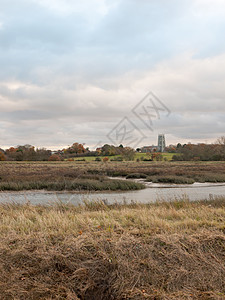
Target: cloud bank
(71, 71)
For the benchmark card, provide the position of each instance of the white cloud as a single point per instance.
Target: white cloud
(206, 8)
(88, 9)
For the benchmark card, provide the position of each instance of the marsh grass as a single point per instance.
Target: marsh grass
(75, 185)
(136, 176)
(166, 250)
(208, 177)
(170, 179)
(92, 175)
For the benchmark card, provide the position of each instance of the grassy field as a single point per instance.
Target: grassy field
(157, 251)
(92, 176)
(167, 156)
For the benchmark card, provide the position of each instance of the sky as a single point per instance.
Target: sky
(80, 71)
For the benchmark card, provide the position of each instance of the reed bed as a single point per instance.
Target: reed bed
(173, 250)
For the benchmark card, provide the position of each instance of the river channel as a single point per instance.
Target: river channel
(152, 193)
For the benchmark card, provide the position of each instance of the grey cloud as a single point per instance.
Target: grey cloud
(79, 72)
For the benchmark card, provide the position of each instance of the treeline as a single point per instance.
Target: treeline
(29, 153)
(106, 150)
(26, 152)
(78, 150)
(186, 152)
(204, 152)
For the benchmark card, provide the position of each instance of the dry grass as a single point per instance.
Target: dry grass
(155, 251)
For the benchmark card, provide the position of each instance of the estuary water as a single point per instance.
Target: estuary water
(152, 193)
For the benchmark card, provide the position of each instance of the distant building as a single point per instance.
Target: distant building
(161, 142)
(149, 149)
(160, 148)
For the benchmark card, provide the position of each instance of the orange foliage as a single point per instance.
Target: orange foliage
(2, 156)
(54, 157)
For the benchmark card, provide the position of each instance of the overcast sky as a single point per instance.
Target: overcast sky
(70, 70)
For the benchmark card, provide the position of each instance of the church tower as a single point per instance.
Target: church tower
(161, 142)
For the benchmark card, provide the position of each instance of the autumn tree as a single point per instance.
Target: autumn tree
(108, 150)
(76, 148)
(202, 151)
(54, 157)
(27, 152)
(173, 149)
(13, 154)
(105, 159)
(11, 150)
(2, 156)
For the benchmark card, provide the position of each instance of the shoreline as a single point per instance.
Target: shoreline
(148, 185)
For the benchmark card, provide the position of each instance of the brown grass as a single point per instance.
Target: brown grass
(155, 251)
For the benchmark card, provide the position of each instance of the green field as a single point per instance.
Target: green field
(167, 156)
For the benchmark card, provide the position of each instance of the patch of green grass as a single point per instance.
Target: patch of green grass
(171, 179)
(209, 177)
(73, 185)
(167, 156)
(136, 176)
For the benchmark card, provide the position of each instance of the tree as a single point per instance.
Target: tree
(153, 155)
(11, 150)
(2, 156)
(54, 157)
(220, 149)
(128, 153)
(76, 148)
(204, 152)
(172, 149)
(159, 157)
(108, 150)
(148, 154)
(27, 152)
(43, 154)
(12, 154)
(221, 141)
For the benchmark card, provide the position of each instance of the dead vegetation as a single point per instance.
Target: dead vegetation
(155, 251)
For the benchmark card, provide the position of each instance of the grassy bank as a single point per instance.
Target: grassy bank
(17, 176)
(170, 179)
(73, 185)
(156, 251)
